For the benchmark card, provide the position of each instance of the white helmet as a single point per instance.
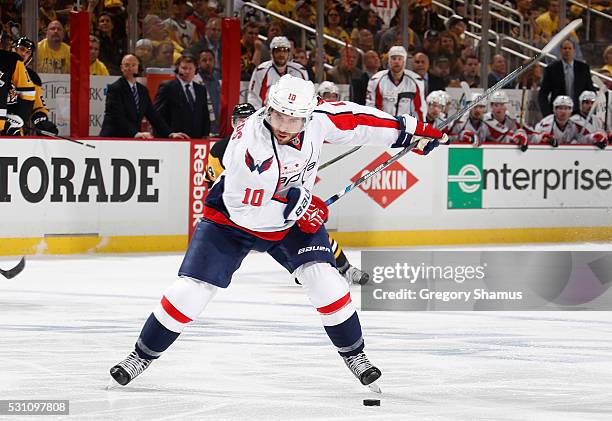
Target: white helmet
(587, 96)
(293, 96)
(436, 97)
(279, 42)
(499, 97)
(563, 101)
(475, 96)
(327, 87)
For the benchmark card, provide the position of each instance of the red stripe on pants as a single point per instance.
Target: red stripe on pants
(336, 305)
(173, 312)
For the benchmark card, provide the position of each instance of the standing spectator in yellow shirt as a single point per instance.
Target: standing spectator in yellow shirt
(96, 67)
(282, 7)
(548, 22)
(53, 54)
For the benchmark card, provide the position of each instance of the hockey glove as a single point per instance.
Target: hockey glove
(41, 122)
(550, 139)
(13, 125)
(521, 140)
(410, 124)
(468, 137)
(298, 199)
(314, 217)
(600, 140)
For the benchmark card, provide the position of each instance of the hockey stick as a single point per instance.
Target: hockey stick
(522, 116)
(339, 157)
(561, 35)
(11, 273)
(600, 97)
(55, 136)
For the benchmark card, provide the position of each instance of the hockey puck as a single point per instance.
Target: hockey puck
(371, 402)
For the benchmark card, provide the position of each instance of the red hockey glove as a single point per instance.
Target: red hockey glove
(521, 140)
(410, 124)
(469, 137)
(600, 140)
(550, 139)
(314, 217)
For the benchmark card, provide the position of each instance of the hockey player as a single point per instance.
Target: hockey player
(269, 72)
(591, 123)
(472, 128)
(436, 103)
(16, 89)
(328, 91)
(215, 167)
(26, 48)
(394, 91)
(501, 127)
(254, 206)
(558, 129)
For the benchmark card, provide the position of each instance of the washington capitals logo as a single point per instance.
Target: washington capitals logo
(259, 165)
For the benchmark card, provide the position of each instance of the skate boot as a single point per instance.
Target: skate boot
(128, 369)
(356, 276)
(363, 369)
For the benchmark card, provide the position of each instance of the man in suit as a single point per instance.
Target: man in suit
(127, 102)
(182, 103)
(564, 77)
(431, 82)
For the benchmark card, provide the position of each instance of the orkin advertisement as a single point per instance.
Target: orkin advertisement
(573, 177)
(55, 188)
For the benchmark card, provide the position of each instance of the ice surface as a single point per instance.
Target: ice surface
(259, 352)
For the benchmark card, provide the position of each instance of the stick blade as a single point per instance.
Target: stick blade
(11, 273)
(561, 35)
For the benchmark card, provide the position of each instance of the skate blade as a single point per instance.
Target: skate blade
(375, 388)
(112, 384)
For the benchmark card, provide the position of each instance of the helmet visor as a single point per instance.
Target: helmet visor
(286, 123)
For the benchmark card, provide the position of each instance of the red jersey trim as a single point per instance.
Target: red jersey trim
(348, 121)
(219, 218)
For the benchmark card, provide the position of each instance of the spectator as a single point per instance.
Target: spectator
(181, 30)
(359, 12)
(346, 72)
(47, 13)
(184, 104)
(127, 102)
(371, 63)
(499, 70)
(200, 15)
(442, 69)
(456, 28)
(431, 44)
(305, 16)
(366, 40)
(607, 56)
(96, 67)
(269, 72)
(420, 65)
(564, 77)
(53, 54)
(211, 41)
(208, 76)
(250, 50)
(448, 46)
(164, 55)
(531, 78)
(393, 90)
(393, 36)
(154, 29)
(333, 28)
(112, 46)
(275, 29)
(471, 69)
(547, 23)
(370, 21)
(282, 7)
(144, 52)
(425, 18)
(301, 57)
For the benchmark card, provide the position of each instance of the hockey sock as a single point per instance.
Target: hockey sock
(329, 293)
(182, 302)
(342, 263)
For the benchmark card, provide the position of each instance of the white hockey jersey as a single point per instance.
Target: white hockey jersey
(501, 132)
(461, 127)
(570, 134)
(250, 193)
(267, 75)
(592, 124)
(403, 98)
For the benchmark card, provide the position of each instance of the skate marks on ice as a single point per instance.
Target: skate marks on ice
(259, 352)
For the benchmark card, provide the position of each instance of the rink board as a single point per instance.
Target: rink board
(145, 196)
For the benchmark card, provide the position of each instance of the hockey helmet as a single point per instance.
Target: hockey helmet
(475, 97)
(293, 96)
(499, 97)
(587, 96)
(437, 97)
(28, 44)
(241, 111)
(563, 101)
(280, 42)
(327, 87)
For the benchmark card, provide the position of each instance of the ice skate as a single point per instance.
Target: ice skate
(130, 368)
(363, 369)
(356, 276)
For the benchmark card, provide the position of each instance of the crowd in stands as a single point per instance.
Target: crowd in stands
(438, 48)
